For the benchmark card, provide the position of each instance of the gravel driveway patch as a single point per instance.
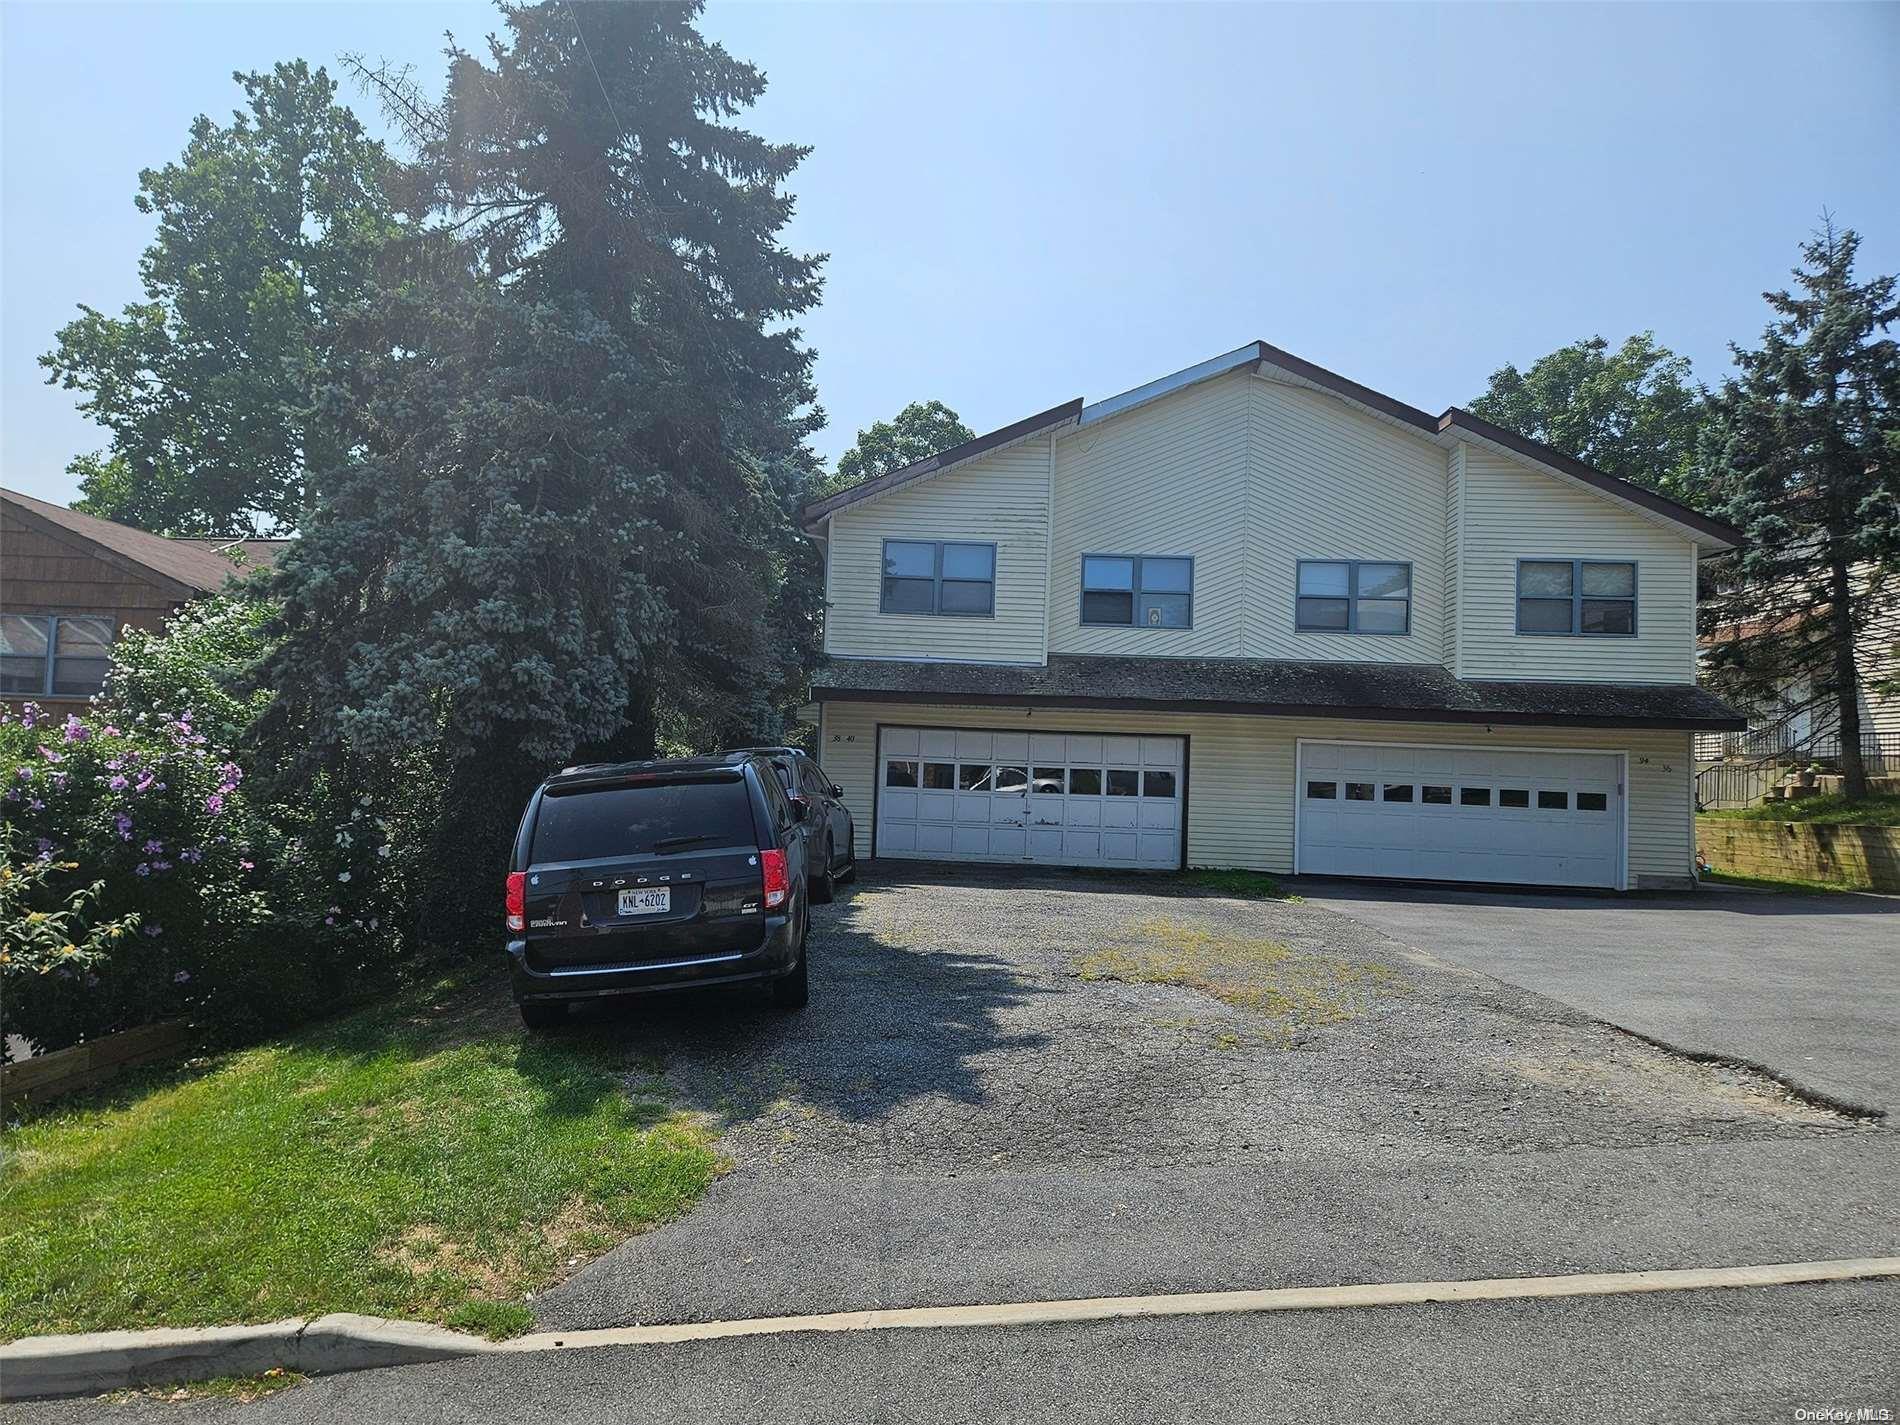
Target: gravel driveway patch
(993, 1096)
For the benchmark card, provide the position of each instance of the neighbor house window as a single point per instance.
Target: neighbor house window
(1588, 597)
(54, 655)
(938, 577)
(1145, 590)
(1353, 596)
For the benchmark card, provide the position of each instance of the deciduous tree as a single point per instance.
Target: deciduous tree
(266, 230)
(921, 429)
(1633, 412)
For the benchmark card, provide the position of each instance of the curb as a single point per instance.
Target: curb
(86, 1364)
(35, 1367)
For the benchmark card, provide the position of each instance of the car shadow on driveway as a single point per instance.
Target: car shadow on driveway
(911, 1015)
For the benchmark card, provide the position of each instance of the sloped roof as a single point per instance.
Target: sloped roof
(183, 563)
(255, 552)
(1403, 692)
(1257, 354)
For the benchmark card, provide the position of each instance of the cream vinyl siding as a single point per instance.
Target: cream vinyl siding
(1240, 771)
(1248, 476)
(1169, 478)
(1511, 513)
(1332, 483)
(1000, 499)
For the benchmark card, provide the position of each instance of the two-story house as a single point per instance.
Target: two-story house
(1255, 614)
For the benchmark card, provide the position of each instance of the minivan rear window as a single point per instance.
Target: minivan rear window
(637, 820)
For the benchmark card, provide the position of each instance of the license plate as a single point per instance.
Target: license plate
(646, 902)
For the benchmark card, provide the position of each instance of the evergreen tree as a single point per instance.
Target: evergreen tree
(1633, 413)
(921, 429)
(266, 229)
(1806, 446)
(576, 431)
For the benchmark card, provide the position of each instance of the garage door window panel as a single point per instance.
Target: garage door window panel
(1353, 596)
(1157, 784)
(1322, 791)
(900, 774)
(1474, 796)
(1085, 781)
(939, 776)
(1123, 782)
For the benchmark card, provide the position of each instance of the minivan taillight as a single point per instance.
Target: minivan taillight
(517, 900)
(777, 879)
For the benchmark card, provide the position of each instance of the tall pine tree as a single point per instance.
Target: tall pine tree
(576, 422)
(1806, 446)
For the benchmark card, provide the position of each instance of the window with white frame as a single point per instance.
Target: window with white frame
(1145, 590)
(54, 655)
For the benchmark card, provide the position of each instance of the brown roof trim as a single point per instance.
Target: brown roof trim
(1454, 417)
(1622, 489)
(1344, 386)
(1458, 417)
(1348, 714)
(819, 509)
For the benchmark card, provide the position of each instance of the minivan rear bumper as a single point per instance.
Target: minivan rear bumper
(774, 956)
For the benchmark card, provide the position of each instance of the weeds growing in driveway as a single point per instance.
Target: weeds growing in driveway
(1291, 988)
(422, 1159)
(1241, 884)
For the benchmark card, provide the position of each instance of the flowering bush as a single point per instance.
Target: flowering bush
(249, 912)
(42, 942)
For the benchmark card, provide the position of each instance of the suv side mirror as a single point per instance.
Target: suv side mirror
(836, 790)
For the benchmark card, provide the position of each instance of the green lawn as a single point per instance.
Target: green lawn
(1823, 811)
(1780, 883)
(422, 1159)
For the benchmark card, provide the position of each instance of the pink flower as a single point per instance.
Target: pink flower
(118, 784)
(50, 755)
(76, 731)
(215, 803)
(124, 824)
(247, 866)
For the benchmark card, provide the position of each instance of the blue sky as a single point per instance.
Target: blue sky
(1028, 203)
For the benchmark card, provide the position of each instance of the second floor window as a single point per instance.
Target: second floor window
(1588, 597)
(1353, 596)
(938, 577)
(1145, 590)
(54, 655)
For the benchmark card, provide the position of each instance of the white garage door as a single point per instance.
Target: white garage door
(1460, 814)
(1058, 799)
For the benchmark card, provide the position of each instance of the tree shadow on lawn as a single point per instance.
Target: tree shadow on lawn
(888, 1022)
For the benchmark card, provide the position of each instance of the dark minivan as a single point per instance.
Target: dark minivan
(663, 875)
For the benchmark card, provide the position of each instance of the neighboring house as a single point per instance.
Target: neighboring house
(1793, 722)
(1255, 614)
(69, 583)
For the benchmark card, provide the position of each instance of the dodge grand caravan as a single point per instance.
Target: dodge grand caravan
(644, 876)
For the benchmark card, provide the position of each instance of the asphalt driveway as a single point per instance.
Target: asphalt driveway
(1805, 986)
(1017, 1087)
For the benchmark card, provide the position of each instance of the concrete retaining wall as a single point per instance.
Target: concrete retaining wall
(1864, 857)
